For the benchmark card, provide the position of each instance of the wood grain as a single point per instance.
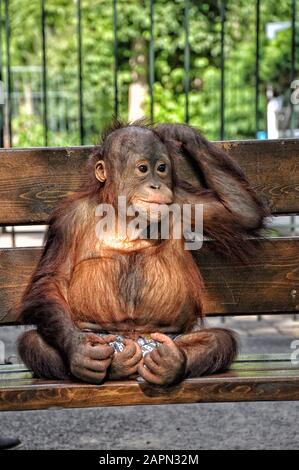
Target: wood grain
(268, 284)
(273, 168)
(32, 394)
(33, 181)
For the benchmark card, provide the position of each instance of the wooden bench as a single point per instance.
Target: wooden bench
(32, 181)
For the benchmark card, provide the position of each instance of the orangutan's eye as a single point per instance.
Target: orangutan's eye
(143, 168)
(161, 168)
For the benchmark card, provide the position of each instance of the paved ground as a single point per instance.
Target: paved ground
(215, 426)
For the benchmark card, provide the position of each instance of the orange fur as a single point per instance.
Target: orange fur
(140, 286)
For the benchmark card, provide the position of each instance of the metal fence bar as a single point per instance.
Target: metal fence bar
(1, 84)
(8, 74)
(257, 66)
(294, 45)
(152, 61)
(293, 76)
(186, 61)
(257, 76)
(9, 90)
(293, 58)
(115, 51)
(5, 66)
(222, 66)
(44, 71)
(80, 75)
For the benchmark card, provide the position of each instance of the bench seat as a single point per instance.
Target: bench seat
(251, 378)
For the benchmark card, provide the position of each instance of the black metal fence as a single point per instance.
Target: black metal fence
(6, 107)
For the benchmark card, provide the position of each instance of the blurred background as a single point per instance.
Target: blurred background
(68, 66)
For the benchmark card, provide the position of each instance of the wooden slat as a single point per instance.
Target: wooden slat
(262, 366)
(33, 181)
(280, 357)
(251, 378)
(32, 394)
(27, 378)
(268, 284)
(272, 166)
(20, 371)
(246, 358)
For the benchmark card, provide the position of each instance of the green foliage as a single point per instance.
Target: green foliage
(133, 51)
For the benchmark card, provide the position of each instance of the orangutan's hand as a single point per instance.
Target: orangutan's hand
(90, 356)
(165, 365)
(125, 363)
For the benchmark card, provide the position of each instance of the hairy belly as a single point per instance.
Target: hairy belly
(122, 295)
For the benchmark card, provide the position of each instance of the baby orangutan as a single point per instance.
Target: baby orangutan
(101, 302)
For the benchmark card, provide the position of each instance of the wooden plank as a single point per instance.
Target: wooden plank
(15, 375)
(26, 380)
(268, 284)
(255, 366)
(33, 181)
(7, 368)
(245, 368)
(251, 358)
(247, 358)
(32, 394)
(257, 378)
(272, 166)
(282, 357)
(14, 372)
(16, 267)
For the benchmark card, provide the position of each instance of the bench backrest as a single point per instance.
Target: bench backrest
(33, 181)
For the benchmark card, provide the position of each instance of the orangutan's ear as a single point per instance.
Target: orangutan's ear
(100, 171)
